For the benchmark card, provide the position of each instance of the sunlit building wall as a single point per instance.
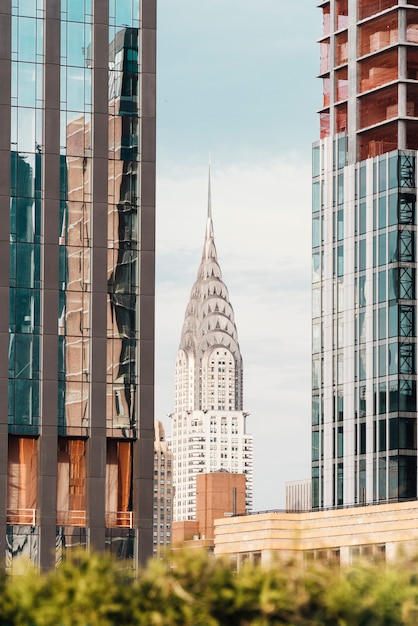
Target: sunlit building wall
(163, 492)
(298, 495)
(77, 152)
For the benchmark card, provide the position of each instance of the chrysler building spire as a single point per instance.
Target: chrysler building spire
(209, 385)
(209, 249)
(209, 195)
(209, 322)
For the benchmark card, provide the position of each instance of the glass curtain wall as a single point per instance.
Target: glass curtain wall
(394, 340)
(75, 218)
(375, 445)
(122, 270)
(25, 217)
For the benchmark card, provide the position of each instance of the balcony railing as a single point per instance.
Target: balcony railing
(26, 517)
(71, 518)
(119, 519)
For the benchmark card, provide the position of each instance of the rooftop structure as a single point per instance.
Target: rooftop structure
(218, 495)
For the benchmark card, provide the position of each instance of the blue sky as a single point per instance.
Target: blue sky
(237, 79)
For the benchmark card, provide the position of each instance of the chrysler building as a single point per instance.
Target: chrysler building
(208, 423)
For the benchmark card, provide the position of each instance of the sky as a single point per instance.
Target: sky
(236, 80)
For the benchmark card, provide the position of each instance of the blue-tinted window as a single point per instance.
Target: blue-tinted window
(315, 445)
(393, 209)
(363, 218)
(392, 246)
(362, 254)
(393, 284)
(382, 286)
(340, 231)
(362, 363)
(382, 435)
(382, 173)
(27, 38)
(316, 197)
(382, 211)
(393, 319)
(342, 151)
(363, 181)
(340, 186)
(77, 10)
(340, 261)
(315, 161)
(382, 360)
(393, 172)
(382, 323)
(393, 365)
(362, 291)
(382, 249)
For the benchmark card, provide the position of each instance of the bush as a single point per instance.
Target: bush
(191, 589)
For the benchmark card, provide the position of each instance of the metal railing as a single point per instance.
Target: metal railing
(71, 518)
(337, 507)
(26, 517)
(119, 519)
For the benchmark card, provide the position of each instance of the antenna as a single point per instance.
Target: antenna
(209, 193)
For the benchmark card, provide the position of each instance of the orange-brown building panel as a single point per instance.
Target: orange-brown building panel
(218, 495)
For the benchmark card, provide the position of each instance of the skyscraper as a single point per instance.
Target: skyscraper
(364, 395)
(77, 162)
(208, 424)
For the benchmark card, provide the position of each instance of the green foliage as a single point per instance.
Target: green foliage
(191, 589)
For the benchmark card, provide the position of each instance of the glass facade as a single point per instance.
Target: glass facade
(26, 113)
(370, 389)
(364, 256)
(77, 199)
(75, 236)
(123, 192)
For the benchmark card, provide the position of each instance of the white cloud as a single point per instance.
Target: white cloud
(262, 231)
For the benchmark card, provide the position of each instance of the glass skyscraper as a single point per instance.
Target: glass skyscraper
(364, 389)
(77, 187)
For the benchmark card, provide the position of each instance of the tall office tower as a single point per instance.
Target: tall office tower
(163, 492)
(364, 430)
(77, 162)
(208, 425)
